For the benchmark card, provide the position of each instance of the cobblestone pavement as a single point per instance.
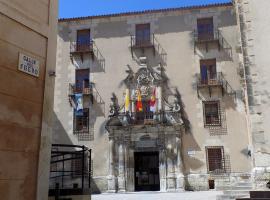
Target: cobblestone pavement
(207, 195)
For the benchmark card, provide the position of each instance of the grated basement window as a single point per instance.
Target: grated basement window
(211, 113)
(215, 159)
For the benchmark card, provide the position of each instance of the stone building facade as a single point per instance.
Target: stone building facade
(28, 37)
(254, 29)
(158, 96)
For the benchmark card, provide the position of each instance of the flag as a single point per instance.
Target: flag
(127, 101)
(139, 106)
(153, 101)
(79, 105)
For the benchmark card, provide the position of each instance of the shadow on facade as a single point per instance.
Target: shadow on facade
(60, 136)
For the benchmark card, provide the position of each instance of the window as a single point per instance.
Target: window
(211, 113)
(215, 159)
(208, 71)
(84, 42)
(205, 29)
(82, 80)
(143, 34)
(81, 122)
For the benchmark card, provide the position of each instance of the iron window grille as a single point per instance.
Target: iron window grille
(211, 113)
(215, 159)
(81, 122)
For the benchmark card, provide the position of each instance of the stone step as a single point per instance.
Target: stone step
(260, 194)
(244, 184)
(231, 197)
(237, 188)
(236, 192)
(233, 194)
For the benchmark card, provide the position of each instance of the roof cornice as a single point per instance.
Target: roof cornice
(148, 11)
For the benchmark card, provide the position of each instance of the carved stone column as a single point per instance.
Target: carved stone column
(162, 170)
(111, 178)
(121, 169)
(180, 182)
(171, 159)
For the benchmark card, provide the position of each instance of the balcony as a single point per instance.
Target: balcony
(146, 118)
(89, 91)
(87, 48)
(211, 36)
(214, 81)
(80, 89)
(80, 48)
(150, 42)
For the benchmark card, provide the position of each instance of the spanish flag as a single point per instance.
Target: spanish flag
(127, 101)
(139, 106)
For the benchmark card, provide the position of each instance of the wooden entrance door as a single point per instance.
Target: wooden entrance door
(147, 171)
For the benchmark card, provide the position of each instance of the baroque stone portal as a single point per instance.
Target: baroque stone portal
(145, 135)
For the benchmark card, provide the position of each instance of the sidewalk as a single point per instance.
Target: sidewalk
(206, 195)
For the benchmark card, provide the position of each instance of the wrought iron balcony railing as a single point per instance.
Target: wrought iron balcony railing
(88, 90)
(85, 89)
(81, 47)
(87, 47)
(210, 80)
(146, 118)
(140, 118)
(148, 42)
(211, 35)
(215, 80)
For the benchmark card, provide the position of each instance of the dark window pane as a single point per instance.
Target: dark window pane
(81, 122)
(205, 28)
(142, 34)
(215, 158)
(208, 71)
(211, 112)
(83, 40)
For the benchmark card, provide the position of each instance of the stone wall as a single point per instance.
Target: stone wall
(27, 28)
(254, 29)
(174, 32)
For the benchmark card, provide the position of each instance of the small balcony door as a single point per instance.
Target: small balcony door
(84, 42)
(208, 71)
(205, 28)
(82, 80)
(143, 34)
(145, 114)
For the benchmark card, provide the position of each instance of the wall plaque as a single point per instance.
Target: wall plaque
(28, 65)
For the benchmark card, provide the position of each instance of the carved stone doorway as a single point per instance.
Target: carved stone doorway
(146, 171)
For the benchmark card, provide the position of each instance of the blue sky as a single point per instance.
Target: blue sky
(78, 8)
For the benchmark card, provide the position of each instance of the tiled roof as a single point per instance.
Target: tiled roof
(148, 11)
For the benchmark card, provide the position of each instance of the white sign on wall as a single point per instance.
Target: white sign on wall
(191, 152)
(28, 65)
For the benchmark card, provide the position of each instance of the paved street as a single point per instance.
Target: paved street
(207, 195)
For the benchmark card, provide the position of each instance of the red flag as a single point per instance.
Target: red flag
(139, 106)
